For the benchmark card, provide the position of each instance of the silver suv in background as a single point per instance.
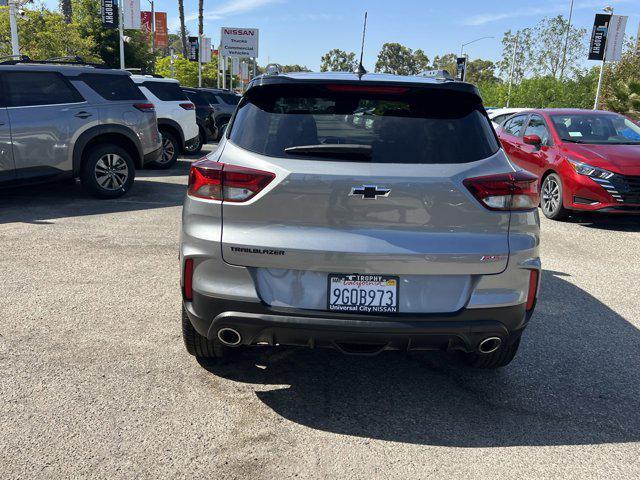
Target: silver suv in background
(74, 121)
(414, 234)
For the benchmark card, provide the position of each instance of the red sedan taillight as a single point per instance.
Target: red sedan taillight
(506, 191)
(229, 183)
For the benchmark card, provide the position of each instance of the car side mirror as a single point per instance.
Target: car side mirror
(534, 140)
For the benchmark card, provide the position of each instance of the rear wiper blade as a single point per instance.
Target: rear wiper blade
(332, 150)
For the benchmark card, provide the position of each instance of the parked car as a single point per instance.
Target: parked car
(224, 104)
(300, 231)
(176, 117)
(62, 121)
(499, 115)
(204, 118)
(586, 160)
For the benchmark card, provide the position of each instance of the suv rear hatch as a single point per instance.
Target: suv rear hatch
(368, 180)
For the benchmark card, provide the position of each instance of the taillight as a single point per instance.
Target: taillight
(188, 106)
(188, 279)
(229, 183)
(506, 191)
(145, 107)
(533, 289)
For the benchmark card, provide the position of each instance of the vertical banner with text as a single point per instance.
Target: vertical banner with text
(109, 13)
(615, 37)
(131, 14)
(205, 50)
(146, 24)
(192, 54)
(599, 36)
(461, 68)
(162, 32)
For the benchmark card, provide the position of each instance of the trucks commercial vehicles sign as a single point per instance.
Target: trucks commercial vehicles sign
(239, 42)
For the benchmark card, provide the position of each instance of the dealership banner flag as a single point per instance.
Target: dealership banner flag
(205, 50)
(162, 32)
(599, 36)
(131, 14)
(192, 54)
(461, 68)
(109, 12)
(146, 23)
(615, 40)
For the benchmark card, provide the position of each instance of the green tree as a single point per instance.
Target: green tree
(137, 52)
(447, 62)
(481, 71)
(521, 42)
(400, 60)
(186, 72)
(550, 35)
(337, 60)
(294, 68)
(45, 34)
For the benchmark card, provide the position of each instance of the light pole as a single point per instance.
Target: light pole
(121, 34)
(516, 40)
(566, 41)
(608, 10)
(15, 43)
(469, 43)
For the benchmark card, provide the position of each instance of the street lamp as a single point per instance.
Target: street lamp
(469, 43)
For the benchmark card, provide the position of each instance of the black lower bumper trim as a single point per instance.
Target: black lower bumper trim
(152, 156)
(259, 323)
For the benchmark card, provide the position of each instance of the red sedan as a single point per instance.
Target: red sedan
(586, 160)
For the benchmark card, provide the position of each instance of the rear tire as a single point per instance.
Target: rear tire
(551, 198)
(196, 344)
(500, 358)
(107, 171)
(196, 148)
(170, 149)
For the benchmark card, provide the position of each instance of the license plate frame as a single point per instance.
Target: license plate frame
(380, 303)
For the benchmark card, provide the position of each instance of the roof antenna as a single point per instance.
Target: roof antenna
(361, 71)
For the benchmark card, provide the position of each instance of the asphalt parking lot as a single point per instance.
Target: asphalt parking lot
(95, 381)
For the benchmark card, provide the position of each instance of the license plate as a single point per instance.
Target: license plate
(358, 293)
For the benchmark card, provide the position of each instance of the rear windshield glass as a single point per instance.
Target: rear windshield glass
(197, 98)
(596, 128)
(425, 125)
(211, 98)
(113, 87)
(166, 91)
(230, 98)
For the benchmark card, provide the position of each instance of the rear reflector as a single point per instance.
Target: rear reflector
(366, 89)
(533, 289)
(188, 106)
(188, 279)
(506, 191)
(229, 183)
(145, 107)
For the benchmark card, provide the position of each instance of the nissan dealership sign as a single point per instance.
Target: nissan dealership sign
(239, 42)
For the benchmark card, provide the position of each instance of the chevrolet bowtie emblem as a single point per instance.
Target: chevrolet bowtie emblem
(370, 192)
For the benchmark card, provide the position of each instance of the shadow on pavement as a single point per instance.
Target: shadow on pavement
(41, 203)
(575, 381)
(603, 221)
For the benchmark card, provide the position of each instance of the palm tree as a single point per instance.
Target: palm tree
(183, 28)
(200, 19)
(67, 11)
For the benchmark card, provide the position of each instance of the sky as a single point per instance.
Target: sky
(301, 31)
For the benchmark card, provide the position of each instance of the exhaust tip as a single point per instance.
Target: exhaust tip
(489, 345)
(229, 337)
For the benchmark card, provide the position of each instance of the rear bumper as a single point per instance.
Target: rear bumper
(152, 156)
(259, 323)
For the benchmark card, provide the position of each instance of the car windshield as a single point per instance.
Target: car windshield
(597, 128)
(422, 125)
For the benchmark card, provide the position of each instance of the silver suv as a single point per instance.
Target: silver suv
(415, 233)
(74, 121)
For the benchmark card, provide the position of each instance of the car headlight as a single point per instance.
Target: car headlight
(593, 172)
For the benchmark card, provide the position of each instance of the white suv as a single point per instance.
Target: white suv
(176, 116)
